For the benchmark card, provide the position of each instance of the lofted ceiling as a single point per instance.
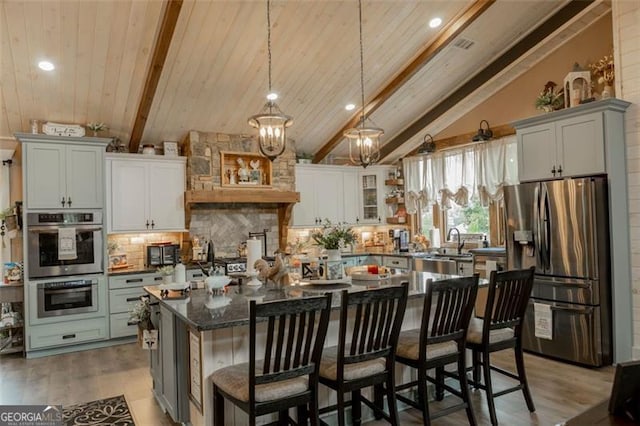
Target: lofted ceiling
(215, 73)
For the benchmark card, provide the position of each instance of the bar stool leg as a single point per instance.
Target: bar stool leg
(486, 367)
(341, 408)
(378, 399)
(476, 368)
(283, 418)
(356, 409)
(303, 414)
(439, 383)
(522, 376)
(423, 399)
(464, 389)
(391, 399)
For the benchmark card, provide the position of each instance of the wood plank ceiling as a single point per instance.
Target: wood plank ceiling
(215, 73)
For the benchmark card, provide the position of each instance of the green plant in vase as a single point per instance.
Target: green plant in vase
(334, 236)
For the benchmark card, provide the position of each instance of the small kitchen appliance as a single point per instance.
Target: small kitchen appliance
(400, 238)
(163, 254)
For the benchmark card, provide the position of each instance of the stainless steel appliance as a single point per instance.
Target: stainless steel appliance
(163, 254)
(67, 297)
(43, 245)
(562, 228)
(400, 238)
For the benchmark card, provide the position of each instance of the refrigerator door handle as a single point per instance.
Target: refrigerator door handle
(546, 221)
(536, 226)
(580, 311)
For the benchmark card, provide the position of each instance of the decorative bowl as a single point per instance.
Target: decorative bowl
(217, 281)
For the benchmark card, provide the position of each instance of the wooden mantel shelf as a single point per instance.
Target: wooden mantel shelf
(242, 195)
(284, 199)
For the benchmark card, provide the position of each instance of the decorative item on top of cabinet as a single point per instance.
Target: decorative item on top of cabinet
(577, 86)
(245, 170)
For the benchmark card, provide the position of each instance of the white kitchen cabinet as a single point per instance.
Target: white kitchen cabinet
(371, 197)
(561, 147)
(145, 194)
(350, 192)
(124, 293)
(63, 172)
(321, 192)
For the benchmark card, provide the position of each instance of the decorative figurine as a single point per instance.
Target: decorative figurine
(243, 171)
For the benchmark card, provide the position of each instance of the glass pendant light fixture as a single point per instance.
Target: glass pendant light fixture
(271, 122)
(364, 142)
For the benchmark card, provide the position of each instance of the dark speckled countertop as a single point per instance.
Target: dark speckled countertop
(205, 312)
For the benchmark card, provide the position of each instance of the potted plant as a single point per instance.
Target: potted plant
(96, 127)
(603, 70)
(304, 158)
(549, 99)
(333, 237)
(167, 273)
(141, 314)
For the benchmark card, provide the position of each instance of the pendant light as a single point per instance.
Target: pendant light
(364, 142)
(271, 122)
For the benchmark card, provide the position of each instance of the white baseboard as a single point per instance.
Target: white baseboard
(81, 347)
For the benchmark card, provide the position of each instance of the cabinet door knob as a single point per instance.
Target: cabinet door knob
(152, 224)
(147, 224)
(357, 219)
(553, 170)
(63, 201)
(69, 201)
(379, 220)
(559, 170)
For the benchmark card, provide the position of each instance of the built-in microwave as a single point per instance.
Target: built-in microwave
(67, 297)
(64, 243)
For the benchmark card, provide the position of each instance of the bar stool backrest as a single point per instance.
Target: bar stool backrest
(375, 326)
(448, 318)
(296, 330)
(509, 293)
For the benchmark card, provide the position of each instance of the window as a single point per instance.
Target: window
(472, 219)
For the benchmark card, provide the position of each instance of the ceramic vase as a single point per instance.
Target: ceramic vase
(607, 92)
(333, 254)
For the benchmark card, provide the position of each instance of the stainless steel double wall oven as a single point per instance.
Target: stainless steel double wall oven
(65, 286)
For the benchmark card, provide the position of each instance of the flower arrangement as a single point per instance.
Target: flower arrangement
(334, 236)
(166, 270)
(96, 127)
(603, 69)
(549, 99)
(141, 313)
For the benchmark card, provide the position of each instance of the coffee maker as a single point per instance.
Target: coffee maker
(400, 238)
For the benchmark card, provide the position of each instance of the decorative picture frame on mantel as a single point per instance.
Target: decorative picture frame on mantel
(244, 170)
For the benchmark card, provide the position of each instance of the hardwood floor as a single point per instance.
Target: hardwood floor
(560, 390)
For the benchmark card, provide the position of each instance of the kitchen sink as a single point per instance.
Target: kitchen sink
(435, 265)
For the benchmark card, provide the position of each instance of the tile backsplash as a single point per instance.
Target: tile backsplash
(134, 246)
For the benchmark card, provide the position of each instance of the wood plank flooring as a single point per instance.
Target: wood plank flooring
(560, 390)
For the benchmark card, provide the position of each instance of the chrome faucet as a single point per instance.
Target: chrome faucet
(460, 245)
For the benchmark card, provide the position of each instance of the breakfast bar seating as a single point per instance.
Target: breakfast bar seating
(287, 375)
(368, 357)
(507, 300)
(440, 341)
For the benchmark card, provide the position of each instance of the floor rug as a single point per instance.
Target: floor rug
(109, 411)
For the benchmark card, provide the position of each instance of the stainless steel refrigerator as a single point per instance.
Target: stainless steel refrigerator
(561, 227)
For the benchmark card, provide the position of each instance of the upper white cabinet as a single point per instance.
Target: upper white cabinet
(340, 194)
(320, 189)
(371, 197)
(145, 193)
(566, 143)
(63, 172)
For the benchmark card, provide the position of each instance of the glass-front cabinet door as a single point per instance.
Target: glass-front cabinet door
(371, 184)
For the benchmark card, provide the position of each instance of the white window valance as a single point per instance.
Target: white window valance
(477, 171)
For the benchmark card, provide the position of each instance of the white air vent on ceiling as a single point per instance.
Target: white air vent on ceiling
(463, 43)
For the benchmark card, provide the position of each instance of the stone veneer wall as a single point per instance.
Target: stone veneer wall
(228, 225)
(626, 43)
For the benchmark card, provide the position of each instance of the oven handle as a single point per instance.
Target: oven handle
(68, 290)
(54, 230)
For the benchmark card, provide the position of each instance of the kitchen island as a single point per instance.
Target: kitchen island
(202, 333)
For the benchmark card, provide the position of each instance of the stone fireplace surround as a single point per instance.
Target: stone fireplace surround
(229, 224)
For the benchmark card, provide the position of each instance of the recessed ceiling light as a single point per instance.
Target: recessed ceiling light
(46, 66)
(435, 22)
(350, 107)
(272, 96)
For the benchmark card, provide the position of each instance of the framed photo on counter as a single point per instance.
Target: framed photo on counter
(170, 148)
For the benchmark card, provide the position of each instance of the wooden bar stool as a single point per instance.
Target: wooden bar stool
(448, 305)
(367, 358)
(287, 376)
(500, 329)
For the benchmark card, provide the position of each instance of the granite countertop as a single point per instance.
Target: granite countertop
(150, 270)
(490, 251)
(206, 312)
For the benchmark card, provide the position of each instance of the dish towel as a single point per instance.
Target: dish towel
(67, 244)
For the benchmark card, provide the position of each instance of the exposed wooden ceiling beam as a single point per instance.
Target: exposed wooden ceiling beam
(536, 36)
(167, 27)
(446, 36)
